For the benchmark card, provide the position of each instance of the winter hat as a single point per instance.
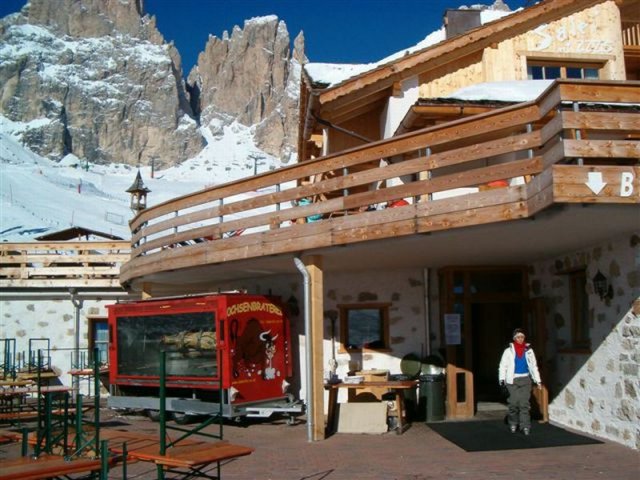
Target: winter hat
(516, 332)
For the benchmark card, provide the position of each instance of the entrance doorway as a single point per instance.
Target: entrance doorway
(483, 305)
(491, 324)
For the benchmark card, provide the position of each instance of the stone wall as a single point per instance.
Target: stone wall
(402, 288)
(52, 319)
(596, 392)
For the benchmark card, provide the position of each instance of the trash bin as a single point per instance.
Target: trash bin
(432, 397)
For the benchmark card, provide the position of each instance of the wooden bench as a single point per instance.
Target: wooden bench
(8, 436)
(188, 454)
(45, 466)
(18, 415)
(21, 414)
(15, 383)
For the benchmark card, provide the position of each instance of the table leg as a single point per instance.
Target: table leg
(400, 406)
(331, 413)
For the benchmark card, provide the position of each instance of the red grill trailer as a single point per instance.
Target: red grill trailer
(232, 349)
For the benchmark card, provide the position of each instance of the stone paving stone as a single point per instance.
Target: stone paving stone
(282, 452)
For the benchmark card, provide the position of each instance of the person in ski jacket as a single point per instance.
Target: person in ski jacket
(518, 369)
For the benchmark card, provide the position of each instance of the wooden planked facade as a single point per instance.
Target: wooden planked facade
(62, 265)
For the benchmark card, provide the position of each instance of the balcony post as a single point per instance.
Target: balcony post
(577, 133)
(314, 265)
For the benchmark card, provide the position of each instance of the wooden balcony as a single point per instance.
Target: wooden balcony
(542, 150)
(62, 265)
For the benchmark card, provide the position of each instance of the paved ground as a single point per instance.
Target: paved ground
(282, 452)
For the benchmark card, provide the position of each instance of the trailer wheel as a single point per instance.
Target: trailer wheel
(239, 420)
(181, 418)
(291, 420)
(153, 415)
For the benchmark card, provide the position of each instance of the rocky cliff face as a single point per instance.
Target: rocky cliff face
(251, 77)
(95, 78)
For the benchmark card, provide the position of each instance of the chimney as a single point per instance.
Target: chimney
(457, 22)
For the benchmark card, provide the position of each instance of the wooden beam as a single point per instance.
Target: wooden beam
(60, 282)
(146, 291)
(66, 246)
(620, 121)
(61, 259)
(86, 272)
(539, 193)
(602, 148)
(314, 266)
(339, 114)
(623, 92)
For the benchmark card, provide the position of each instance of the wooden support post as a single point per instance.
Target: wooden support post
(146, 291)
(96, 397)
(25, 442)
(314, 267)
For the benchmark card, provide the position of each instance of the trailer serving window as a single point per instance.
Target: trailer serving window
(188, 338)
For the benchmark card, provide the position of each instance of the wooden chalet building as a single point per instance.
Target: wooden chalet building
(53, 294)
(429, 215)
(432, 215)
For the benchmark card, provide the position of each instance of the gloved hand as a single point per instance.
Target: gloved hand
(503, 389)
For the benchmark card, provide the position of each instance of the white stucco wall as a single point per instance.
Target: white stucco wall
(597, 392)
(397, 107)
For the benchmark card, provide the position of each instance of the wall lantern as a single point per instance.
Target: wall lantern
(602, 287)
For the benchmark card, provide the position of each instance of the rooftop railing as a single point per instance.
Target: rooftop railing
(52, 265)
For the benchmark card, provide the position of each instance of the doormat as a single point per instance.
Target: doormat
(488, 435)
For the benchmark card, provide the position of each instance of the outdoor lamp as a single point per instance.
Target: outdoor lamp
(602, 287)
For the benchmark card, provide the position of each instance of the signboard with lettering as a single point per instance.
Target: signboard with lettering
(596, 184)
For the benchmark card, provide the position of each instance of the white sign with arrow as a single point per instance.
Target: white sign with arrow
(596, 184)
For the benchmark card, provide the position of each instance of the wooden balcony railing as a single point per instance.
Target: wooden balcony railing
(444, 174)
(631, 34)
(62, 264)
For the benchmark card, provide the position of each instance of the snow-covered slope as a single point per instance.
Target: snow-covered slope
(38, 195)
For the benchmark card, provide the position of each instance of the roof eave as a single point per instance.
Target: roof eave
(462, 45)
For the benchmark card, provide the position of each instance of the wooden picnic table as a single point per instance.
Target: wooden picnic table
(187, 454)
(7, 392)
(25, 410)
(15, 383)
(44, 466)
(87, 372)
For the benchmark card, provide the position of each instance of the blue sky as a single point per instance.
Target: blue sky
(336, 31)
